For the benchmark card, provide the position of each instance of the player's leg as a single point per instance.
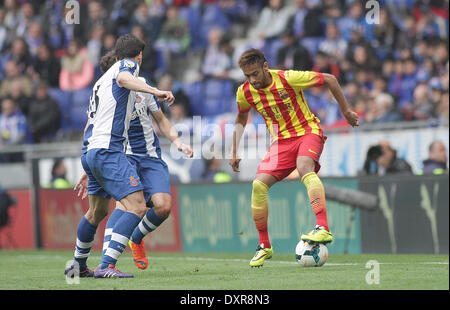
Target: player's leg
(308, 166)
(154, 175)
(112, 220)
(134, 205)
(260, 213)
(155, 216)
(98, 209)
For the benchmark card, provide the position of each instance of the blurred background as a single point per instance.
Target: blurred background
(394, 73)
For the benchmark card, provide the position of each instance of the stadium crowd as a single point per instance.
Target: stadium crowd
(394, 70)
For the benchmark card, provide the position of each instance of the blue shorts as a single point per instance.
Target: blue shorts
(154, 175)
(110, 174)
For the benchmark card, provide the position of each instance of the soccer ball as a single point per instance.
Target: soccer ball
(311, 255)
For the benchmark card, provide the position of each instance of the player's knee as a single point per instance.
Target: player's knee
(259, 192)
(95, 216)
(162, 206)
(305, 168)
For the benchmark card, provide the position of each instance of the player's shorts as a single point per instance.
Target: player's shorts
(154, 175)
(110, 174)
(281, 158)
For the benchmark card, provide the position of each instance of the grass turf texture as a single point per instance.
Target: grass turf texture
(36, 270)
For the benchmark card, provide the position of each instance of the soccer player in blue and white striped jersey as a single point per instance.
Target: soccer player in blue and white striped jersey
(143, 151)
(109, 172)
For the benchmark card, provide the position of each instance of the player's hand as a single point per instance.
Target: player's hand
(82, 186)
(186, 149)
(165, 96)
(352, 118)
(234, 163)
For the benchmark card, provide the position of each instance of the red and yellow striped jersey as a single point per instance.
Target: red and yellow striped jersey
(282, 104)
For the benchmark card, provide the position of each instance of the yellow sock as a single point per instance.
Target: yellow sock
(260, 211)
(316, 194)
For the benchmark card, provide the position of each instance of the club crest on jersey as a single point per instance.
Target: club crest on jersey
(283, 94)
(128, 63)
(133, 181)
(138, 99)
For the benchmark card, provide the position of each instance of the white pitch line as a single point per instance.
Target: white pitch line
(239, 260)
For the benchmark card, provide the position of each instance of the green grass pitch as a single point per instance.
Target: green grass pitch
(43, 270)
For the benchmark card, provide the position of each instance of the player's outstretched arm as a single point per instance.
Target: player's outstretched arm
(331, 82)
(239, 127)
(127, 80)
(170, 133)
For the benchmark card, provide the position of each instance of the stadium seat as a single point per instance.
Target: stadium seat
(193, 18)
(311, 44)
(64, 100)
(80, 105)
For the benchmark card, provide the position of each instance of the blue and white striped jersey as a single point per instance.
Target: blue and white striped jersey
(142, 140)
(110, 109)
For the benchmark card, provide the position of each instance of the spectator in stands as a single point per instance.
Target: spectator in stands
(150, 21)
(19, 53)
(12, 73)
(213, 171)
(59, 180)
(17, 95)
(389, 163)
(109, 41)
(46, 66)
(149, 65)
(12, 13)
(333, 45)
(292, 55)
(421, 107)
(96, 15)
(383, 110)
(94, 45)
(215, 62)
(296, 21)
(408, 81)
(175, 37)
(3, 31)
(436, 163)
(34, 37)
(443, 108)
(77, 71)
(44, 114)
(381, 159)
(26, 19)
(13, 129)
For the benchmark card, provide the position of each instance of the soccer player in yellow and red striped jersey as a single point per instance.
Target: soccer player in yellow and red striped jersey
(297, 138)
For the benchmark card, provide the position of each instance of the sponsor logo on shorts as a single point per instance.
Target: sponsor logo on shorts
(312, 151)
(133, 181)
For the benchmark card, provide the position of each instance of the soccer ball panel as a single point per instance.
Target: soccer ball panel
(309, 255)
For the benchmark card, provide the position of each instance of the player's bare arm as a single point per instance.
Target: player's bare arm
(239, 127)
(127, 80)
(170, 133)
(331, 82)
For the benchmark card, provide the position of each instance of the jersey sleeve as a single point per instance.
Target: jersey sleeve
(128, 65)
(242, 103)
(304, 79)
(150, 100)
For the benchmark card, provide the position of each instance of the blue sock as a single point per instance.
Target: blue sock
(119, 238)
(149, 223)
(112, 220)
(85, 238)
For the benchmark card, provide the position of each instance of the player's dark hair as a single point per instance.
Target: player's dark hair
(250, 57)
(128, 46)
(108, 60)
